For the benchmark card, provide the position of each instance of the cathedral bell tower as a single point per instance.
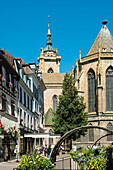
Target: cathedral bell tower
(49, 61)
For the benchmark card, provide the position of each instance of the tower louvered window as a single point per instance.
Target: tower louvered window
(109, 89)
(91, 91)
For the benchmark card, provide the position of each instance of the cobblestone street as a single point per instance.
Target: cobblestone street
(10, 165)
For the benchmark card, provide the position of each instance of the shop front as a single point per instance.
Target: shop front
(8, 142)
(7, 147)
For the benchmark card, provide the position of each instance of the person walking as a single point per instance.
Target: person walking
(49, 151)
(5, 153)
(45, 150)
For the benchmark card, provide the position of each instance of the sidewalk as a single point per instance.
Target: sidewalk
(10, 165)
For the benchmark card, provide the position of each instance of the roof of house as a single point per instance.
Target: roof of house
(103, 40)
(53, 77)
(27, 70)
(8, 56)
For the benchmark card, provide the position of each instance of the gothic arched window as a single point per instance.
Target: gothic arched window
(50, 70)
(109, 89)
(110, 137)
(91, 91)
(54, 103)
(91, 134)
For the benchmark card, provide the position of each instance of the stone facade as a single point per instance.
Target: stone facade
(99, 58)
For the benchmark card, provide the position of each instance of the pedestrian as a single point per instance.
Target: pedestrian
(45, 150)
(42, 150)
(5, 153)
(38, 148)
(49, 151)
(74, 148)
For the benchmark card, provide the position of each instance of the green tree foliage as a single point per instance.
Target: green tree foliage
(70, 111)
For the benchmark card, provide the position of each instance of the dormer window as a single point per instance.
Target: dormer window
(111, 49)
(104, 50)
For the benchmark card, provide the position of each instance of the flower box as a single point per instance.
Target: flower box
(3, 79)
(16, 90)
(10, 85)
(21, 119)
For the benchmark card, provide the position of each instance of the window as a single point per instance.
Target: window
(110, 137)
(4, 101)
(20, 94)
(111, 49)
(109, 89)
(31, 104)
(25, 119)
(13, 87)
(7, 79)
(31, 120)
(29, 83)
(42, 118)
(28, 102)
(91, 134)
(21, 116)
(54, 103)
(12, 108)
(24, 98)
(1, 71)
(28, 121)
(50, 70)
(34, 123)
(104, 50)
(91, 91)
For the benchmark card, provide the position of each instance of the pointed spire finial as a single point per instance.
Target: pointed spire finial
(49, 34)
(80, 54)
(48, 25)
(104, 22)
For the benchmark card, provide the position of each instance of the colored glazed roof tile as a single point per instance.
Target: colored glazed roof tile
(104, 40)
(49, 117)
(53, 77)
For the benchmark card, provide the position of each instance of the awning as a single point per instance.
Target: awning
(40, 135)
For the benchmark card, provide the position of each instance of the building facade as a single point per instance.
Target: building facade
(21, 105)
(9, 79)
(93, 74)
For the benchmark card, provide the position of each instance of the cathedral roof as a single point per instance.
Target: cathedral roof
(51, 78)
(104, 40)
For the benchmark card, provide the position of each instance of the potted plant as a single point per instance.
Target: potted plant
(35, 161)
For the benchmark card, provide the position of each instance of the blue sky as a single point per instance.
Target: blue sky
(74, 24)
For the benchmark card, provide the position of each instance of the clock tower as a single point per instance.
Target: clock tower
(49, 61)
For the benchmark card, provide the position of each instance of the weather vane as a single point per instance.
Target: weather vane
(48, 17)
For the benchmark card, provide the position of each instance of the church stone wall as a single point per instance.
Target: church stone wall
(48, 97)
(51, 64)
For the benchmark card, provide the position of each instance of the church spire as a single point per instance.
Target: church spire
(49, 36)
